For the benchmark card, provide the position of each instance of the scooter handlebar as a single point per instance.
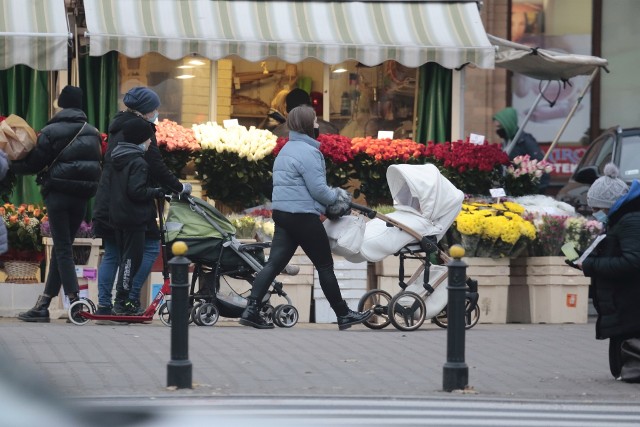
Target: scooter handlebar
(365, 210)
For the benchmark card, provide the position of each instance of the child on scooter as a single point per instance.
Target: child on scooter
(132, 207)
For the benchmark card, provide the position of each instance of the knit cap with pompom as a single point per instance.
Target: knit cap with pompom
(607, 189)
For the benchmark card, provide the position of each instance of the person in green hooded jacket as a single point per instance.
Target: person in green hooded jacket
(506, 122)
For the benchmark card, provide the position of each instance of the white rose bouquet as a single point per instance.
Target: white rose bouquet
(235, 163)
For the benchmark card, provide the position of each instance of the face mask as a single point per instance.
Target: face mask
(316, 129)
(154, 118)
(502, 133)
(600, 216)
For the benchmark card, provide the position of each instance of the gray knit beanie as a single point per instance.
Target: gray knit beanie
(607, 189)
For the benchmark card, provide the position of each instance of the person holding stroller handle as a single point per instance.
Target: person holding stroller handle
(66, 159)
(141, 102)
(300, 196)
(133, 204)
(614, 265)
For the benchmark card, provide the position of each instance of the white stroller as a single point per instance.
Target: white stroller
(426, 205)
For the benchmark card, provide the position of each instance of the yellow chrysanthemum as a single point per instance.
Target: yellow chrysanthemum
(514, 207)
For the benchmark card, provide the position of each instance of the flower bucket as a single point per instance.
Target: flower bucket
(21, 271)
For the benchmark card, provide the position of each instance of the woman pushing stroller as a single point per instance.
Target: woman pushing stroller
(300, 196)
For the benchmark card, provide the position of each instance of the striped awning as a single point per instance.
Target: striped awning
(412, 33)
(33, 33)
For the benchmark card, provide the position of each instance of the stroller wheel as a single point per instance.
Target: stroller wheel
(80, 306)
(285, 316)
(471, 316)
(378, 301)
(267, 311)
(164, 313)
(407, 311)
(194, 309)
(206, 315)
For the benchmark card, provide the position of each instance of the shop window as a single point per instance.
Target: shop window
(182, 85)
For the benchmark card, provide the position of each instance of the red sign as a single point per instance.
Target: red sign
(572, 300)
(564, 159)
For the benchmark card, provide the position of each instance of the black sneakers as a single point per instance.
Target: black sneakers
(353, 318)
(129, 307)
(251, 316)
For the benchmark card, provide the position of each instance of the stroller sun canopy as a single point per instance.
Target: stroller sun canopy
(424, 189)
(184, 223)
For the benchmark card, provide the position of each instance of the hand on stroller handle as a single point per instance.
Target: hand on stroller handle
(370, 213)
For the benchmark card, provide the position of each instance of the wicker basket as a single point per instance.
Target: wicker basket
(21, 271)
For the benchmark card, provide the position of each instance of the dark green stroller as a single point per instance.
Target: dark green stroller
(224, 267)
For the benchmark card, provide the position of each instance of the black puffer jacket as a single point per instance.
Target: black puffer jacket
(615, 271)
(132, 199)
(160, 176)
(77, 170)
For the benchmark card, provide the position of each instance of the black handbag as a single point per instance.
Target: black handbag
(630, 360)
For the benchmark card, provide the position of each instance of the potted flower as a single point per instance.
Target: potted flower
(235, 164)
(337, 153)
(26, 250)
(523, 175)
(176, 144)
(473, 168)
(372, 157)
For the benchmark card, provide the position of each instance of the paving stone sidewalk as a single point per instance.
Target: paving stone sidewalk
(513, 361)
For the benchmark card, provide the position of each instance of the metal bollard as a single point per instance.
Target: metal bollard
(455, 373)
(179, 368)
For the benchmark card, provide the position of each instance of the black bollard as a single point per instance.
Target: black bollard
(455, 373)
(179, 367)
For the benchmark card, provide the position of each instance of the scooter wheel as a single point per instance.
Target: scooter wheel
(207, 315)
(164, 313)
(75, 312)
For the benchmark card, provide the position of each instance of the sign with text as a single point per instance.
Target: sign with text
(385, 134)
(230, 123)
(564, 158)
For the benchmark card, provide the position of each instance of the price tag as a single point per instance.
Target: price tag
(230, 123)
(385, 134)
(476, 139)
(497, 192)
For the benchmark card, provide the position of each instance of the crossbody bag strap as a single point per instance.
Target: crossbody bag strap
(46, 168)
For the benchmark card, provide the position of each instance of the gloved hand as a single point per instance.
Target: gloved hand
(186, 188)
(158, 193)
(342, 205)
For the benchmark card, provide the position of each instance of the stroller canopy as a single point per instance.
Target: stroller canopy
(183, 222)
(424, 189)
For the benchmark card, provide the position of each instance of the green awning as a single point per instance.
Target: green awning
(34, 33)
(412, 33)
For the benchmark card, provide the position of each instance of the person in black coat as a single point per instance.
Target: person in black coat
(67, 161)
(141, 102)
(132, 208)
(294, 99)
(614, 266)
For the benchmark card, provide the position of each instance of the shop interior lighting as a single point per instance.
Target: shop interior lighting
(195, 62)
(339, 69)
(185, 76)
(186, 67)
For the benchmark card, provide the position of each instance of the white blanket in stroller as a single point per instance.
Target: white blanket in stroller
(425, 201)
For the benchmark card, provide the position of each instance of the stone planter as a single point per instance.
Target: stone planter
(352, 278)
(546, 290)
(493, 279)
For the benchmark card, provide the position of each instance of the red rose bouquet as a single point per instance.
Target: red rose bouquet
(472, 168)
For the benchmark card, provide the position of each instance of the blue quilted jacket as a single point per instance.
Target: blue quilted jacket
(299, 177)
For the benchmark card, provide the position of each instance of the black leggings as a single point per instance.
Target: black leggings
(304, 230)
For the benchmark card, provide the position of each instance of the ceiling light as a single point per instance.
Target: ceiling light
(338, 69)
(196, 62)
(185, 76)
(185, 67)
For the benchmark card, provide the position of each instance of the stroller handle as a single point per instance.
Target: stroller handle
(365, 210)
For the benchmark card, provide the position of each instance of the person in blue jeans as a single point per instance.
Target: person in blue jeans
(141, 102)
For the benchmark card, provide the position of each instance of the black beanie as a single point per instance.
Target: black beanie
(136, 131)
(70, 97)
(142, 99)
(297, 97)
